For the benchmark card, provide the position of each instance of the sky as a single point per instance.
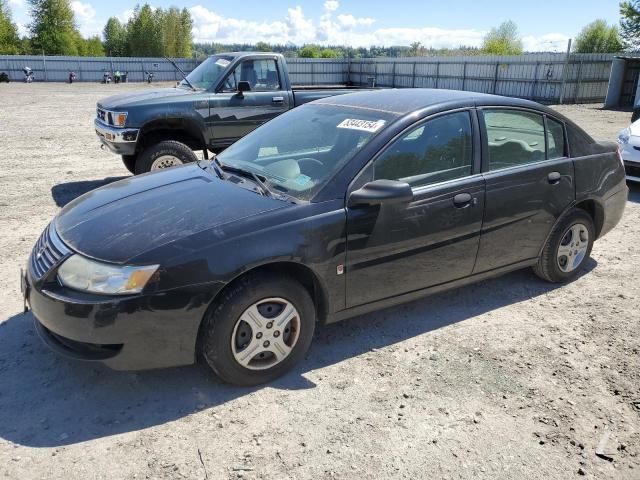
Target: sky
(545, 25)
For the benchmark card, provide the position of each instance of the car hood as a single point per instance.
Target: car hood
(125, 219)
(126, 100)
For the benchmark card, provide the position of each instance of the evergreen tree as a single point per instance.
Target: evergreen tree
(630, 24)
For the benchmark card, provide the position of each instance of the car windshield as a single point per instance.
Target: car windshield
(299, 151)
(208, 72)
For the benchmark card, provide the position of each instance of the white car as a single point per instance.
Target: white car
(629, 141)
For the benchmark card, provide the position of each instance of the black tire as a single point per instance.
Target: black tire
(635, 115)
(220, 321)
(130, 162)
(167, 147)
(548, 267)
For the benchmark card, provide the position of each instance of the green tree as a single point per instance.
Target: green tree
(328, 53)
(503, 40)
(310, 51)
(598, 37)
(94, 47)
(416, 50)
(53, 28)
(630, 24)
(145, 36)
(9, 40)
(262, 47)
(115, 38)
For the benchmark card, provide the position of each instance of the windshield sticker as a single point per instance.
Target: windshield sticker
(364, 125)
(302, 180)
(222, 62)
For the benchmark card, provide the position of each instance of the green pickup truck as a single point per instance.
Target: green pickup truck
(223, 99)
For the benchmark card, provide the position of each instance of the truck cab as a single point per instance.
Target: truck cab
(224, 98)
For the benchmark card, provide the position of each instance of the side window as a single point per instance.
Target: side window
(555, 139)
(514, 138)
(438, 150)
(262, 75)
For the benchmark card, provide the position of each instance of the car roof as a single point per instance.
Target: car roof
(407, 100)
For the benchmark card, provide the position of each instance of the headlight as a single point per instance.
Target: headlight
(119, 118)
(623, 136)
(80, 273)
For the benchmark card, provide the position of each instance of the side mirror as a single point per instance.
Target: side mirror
(243, 86)
(381, 192)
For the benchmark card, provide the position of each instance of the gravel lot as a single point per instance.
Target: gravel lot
(509, 378)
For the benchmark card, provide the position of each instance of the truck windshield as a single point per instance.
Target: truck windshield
(208, 72)
(300, 151)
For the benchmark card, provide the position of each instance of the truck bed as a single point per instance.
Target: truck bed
(308, 93)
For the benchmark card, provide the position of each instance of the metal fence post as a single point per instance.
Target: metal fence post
(413, 76)
(495, 78)
(312, 73)
(393, 75)
(565, 71)
(44, 65)
(437, 73)
(464, 74)
(535, 81)
(578, 82)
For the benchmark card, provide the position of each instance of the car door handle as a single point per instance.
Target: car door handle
(554, 178)
(278, 100)
(463, 200)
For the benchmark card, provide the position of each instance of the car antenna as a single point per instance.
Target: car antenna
(184, 75)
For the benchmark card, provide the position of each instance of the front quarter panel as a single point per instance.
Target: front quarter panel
(312, 235)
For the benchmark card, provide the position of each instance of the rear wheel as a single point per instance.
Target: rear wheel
(165, 154)
(568, 248)
(130, 162)
(259, 330)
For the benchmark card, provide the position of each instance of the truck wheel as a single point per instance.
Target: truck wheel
(165, 154)
(567, 249)
(130, 162)
(261, 328)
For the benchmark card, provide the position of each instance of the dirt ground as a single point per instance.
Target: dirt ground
(510, 378)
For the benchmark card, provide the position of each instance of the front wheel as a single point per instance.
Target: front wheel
(568, 248)
(259, 330)
(165, 154)
(129, 162)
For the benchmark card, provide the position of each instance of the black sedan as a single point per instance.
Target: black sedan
(337, 208)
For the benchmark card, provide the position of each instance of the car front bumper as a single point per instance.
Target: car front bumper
(124, 332)
(119, 140)
(631, 159)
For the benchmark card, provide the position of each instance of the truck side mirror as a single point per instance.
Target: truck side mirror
(243, 86)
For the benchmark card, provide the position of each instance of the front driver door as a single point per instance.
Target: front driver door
(396, 249)
(233, 115)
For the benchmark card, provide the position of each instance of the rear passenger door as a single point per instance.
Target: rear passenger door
(529, 184)
(233, 115)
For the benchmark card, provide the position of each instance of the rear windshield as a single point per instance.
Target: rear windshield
(299, 151)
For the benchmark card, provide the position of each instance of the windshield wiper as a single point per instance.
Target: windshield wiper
(216, 167)
(184, 75)
(266, 191)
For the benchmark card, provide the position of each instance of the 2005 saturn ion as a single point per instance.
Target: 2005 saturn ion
(337, 208)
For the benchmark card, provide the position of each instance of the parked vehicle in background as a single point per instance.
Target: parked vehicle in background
(629, 140)
(337, 208)
(223, 99)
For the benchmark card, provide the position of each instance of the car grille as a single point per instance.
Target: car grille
(104, 116)
(47, 253)
(632, 170)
